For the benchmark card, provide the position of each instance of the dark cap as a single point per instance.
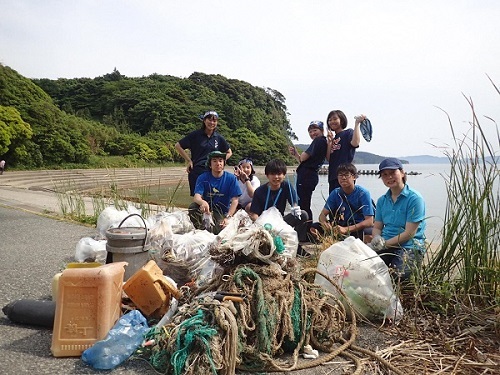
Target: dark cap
(390, 163)
(316, 124)
(216, 154)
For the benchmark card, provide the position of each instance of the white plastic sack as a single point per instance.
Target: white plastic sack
(111, 217)
(363, 277)
(240, 219)
(88, 249)
(279, 227)
(178, 220)
(193, 248)
(161, 236)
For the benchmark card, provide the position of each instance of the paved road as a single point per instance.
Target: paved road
(33, 248)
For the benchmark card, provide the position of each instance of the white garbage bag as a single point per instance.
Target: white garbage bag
(88, 249)
(363, 277)
(111, 217)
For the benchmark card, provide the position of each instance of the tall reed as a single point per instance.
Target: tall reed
(467, 263)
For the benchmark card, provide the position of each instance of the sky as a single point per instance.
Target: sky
(406, 65)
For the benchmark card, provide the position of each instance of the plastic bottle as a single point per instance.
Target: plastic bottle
(119, 344)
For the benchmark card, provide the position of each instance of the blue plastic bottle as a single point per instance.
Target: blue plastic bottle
(119, 344)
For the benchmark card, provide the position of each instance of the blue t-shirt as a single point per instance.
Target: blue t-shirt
(341, 152)
(317, 154)
(201, 145)
(218, 191)
(351, 208)
(408, 208)
(264, 198)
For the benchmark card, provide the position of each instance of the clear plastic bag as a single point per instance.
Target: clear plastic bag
(188, 256)
(90, 250)
(271, 218)
(363, 277)
(178, 220)
(111, 217)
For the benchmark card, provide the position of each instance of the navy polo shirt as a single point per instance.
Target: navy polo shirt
(201, 145)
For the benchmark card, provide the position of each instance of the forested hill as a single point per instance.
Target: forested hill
(46, 122)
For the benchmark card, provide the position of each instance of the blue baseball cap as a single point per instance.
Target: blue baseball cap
(316, 124)
(390, 163)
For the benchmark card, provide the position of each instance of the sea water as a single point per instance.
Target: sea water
(430, 182)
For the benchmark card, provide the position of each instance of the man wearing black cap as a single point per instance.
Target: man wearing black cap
(215, 195)
(201, 142)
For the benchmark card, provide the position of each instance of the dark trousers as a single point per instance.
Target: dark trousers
(332, 184)
(307, 180)
(196, 217)
(402, 261)
(193, 176)
(321, 233)
(301, 226)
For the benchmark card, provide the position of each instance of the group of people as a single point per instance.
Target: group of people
(394, 227)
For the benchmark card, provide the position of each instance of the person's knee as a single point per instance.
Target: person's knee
(403, 263)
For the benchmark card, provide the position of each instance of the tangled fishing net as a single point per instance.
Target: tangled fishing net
(265, 308)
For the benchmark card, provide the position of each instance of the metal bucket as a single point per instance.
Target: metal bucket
(128, 244)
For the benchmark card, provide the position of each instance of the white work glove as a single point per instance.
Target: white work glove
(378, 243)
(296, 211)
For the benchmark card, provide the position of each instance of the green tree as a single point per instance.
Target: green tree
(14, 132)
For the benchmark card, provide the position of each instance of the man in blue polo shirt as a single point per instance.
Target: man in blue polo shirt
(216, 193)
(201, 142)
(350, 205)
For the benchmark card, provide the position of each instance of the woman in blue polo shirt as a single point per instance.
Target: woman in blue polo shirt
(201, 142)
(398, 231)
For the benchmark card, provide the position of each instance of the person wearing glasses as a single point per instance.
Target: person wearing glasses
(248, 182)
(399, 228)
(201, 142)
(350, 205)
(310, 161)
(342, 143)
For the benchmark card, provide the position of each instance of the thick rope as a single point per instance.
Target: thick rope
(280, 311)
(227, 321)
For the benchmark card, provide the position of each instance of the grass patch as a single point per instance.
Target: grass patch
(453, 304)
